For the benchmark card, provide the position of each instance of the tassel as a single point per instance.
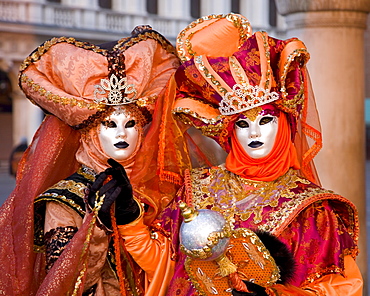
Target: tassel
(225, 266)
(117, 251)
(237, 283)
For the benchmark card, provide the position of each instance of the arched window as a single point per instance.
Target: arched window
(195, 9)
(235, 6)
(272, 13)
(5, 92)
(107, 4)
(152, 6)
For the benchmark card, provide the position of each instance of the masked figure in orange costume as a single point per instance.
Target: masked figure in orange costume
(92, 172)
(250, 93)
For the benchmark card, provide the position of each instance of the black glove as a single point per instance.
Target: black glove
(118, 190)
(127, 209)
(255, 289)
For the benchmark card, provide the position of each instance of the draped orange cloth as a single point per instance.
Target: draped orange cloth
(152, 254)
(267, 168)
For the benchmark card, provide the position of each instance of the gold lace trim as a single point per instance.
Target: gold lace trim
(300, 53)
(127, 42)
(212, 127)
(72, 186)
(55, 197)
(58, 99)
(277, 218)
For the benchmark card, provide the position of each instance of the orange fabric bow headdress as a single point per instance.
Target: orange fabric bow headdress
(227, 70)
(78, 82)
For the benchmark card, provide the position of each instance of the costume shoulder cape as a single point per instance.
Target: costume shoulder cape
(270, 206)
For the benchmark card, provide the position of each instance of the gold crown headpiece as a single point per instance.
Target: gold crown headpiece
(244, 97)
(227, 70)
(119, 92)
(80, 93)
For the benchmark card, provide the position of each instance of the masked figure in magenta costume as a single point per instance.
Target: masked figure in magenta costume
(92, 172)
(251, 94)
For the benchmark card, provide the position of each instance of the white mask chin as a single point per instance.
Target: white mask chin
(257, 137)
(119, 135)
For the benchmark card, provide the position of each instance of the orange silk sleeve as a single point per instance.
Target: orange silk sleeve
(153, 255)
(59, 215)
(330, 285)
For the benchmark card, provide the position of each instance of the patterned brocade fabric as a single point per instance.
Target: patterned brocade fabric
(55, 242)
(318, 226)
(319, 239)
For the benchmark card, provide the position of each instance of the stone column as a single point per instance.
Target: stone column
(81, 3)
(130, 7)
(333, 32)
(26, 118)
(172, 9)
(214, 7)
(257, 12)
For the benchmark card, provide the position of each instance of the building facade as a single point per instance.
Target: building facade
(335, 32)
(26, 24)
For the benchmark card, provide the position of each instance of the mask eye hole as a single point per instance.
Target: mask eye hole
(242, 124)
(265, 120)
(109, 123)
(130, 123)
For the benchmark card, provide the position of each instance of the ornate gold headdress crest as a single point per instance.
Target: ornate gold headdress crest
(114, 87)
(244, 97)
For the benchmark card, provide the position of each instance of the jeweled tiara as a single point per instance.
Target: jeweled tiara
(244, 97)
(114, 87)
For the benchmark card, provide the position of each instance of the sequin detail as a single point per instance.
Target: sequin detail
(212, 127)
(52, 196)
(87, 172)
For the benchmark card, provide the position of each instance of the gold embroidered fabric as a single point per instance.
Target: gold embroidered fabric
(228, 193)
(73, 186)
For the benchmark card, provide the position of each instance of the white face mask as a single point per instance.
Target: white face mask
(119, 136)
(257, 137)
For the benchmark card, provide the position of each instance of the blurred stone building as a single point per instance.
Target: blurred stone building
(335, 32)
(26, 24)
